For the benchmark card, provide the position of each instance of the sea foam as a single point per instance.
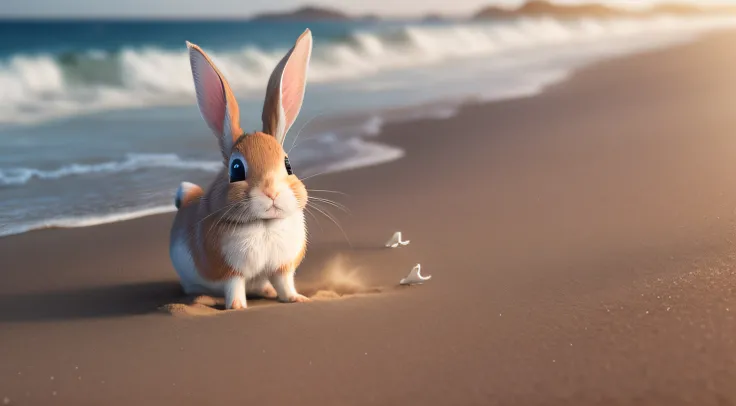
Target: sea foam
(133, 162)
(84, 221)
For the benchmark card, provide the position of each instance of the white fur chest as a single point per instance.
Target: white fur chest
(264, 246)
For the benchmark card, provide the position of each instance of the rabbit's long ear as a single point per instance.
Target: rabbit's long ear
(215, 99)
(285, 91)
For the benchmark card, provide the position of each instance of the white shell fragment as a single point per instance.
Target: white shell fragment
(415, 277)
(395, 240)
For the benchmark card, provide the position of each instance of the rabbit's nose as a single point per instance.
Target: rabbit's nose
(272, 194)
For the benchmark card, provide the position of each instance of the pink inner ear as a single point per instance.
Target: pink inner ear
(293, 82)
(210, 92)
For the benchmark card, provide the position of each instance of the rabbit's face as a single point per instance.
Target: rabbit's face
(261, 186)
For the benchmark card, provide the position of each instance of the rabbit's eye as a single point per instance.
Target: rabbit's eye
(288, 166)
(237, 171)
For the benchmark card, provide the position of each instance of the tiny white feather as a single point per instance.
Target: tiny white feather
(415, 277)
(395, 240)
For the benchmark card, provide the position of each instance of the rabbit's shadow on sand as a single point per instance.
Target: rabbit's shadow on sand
(88, 302)
(123, 300)
(334, 281)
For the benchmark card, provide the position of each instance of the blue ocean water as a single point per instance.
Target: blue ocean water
(98, 120)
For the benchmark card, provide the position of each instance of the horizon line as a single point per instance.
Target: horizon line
(352, 15)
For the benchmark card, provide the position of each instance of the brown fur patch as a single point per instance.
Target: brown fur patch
(300, 191)
(265, 157)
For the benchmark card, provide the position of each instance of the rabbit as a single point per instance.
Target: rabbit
(246, 234)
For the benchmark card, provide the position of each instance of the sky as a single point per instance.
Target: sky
(244, 8)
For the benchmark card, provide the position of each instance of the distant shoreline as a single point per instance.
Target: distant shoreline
(540, 8)
(531, 8)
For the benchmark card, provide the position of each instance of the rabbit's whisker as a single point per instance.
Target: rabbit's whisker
(294, 144)
(332, 203)
(314, 205)
(314, 176)
(327, 191)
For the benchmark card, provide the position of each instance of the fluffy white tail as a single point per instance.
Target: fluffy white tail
(186, 193)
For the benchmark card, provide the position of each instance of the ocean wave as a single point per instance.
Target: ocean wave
(372, 126)
(42, 87)
(366, 153)
(84, 221)
(133, 162)
(361, 153)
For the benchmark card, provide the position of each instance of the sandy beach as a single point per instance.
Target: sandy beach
(580, 242)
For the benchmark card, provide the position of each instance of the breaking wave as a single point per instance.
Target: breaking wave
(84, 221)
(45, 86)
(133, 162)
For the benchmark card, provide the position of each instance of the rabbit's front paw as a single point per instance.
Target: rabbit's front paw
(297, 298)
(237, 305)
